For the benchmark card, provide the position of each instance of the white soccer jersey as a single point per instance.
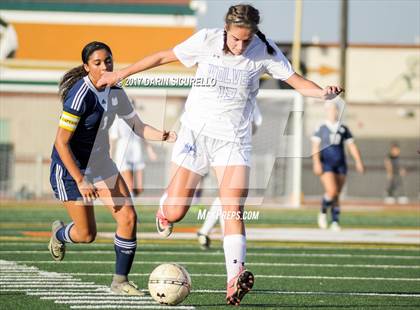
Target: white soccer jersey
(224, 109)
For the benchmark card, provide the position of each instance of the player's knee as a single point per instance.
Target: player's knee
(90, 238)
(332, 193)
(175, 216)
(175, 213)
(87, 236)
(128, 219)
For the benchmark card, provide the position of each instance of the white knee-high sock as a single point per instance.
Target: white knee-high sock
(235, 252)
(212, 216)
(222, 222)
(162, 201)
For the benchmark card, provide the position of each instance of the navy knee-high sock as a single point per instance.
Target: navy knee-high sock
(335, 211)
(63, 234)
(326, 204)
(125, 249)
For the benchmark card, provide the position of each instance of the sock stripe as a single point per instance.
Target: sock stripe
(67, 237)
(128, 244)
(125, 246)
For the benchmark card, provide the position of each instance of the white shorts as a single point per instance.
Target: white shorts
(197, 152)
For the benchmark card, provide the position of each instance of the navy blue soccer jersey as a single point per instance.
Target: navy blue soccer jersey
(89, 113)
(332, 138)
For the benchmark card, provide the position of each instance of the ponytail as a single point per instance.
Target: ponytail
(69, 79)
(270, 49)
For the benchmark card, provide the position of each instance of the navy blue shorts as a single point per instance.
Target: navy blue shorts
(336, 168)
(65, 187)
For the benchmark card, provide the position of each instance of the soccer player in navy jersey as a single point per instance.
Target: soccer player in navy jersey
(329, 162)
(81, 167)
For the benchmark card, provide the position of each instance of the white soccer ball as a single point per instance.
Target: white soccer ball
(169, 284)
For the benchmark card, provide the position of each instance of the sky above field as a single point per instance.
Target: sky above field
(370, 21)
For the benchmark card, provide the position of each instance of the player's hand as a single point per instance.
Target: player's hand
(330, 92)
(169, 136)
(88, 191)
(360, 167)
(317, 168)
(108, 79)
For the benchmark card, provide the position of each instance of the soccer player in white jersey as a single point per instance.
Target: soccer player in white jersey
(214, 213)
(127, 152)
(82, 169)
(217, 121)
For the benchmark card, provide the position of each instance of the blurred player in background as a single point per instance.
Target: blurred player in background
(127, 152)
(395, 174)
(217, 124)
(329, 162)
(82, 169)
(214, 213)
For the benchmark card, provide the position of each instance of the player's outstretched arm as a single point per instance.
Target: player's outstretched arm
(148, 62)
(310, 89)
(149, 132)
(354, 151)
(316, 158)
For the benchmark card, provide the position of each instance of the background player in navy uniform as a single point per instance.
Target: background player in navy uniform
(329, 162)
(81, 168)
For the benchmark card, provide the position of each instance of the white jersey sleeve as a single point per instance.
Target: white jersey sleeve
(189, 51)
(277, 65)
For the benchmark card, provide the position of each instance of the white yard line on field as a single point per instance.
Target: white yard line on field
(222, 263)
(171, 253)
(58, 287)
(300, 247)
(198, 275)
(269, 292)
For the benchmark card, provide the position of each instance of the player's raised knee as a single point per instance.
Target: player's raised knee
(175, 213)
(87, 236)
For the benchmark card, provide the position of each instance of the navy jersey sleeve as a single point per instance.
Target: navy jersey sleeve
(119, 98)
(347, 136)
(74, 106)
(316, 137)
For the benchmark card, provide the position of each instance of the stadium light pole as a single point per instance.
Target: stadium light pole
(343, 42)
(296, 198)
(297, 37)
